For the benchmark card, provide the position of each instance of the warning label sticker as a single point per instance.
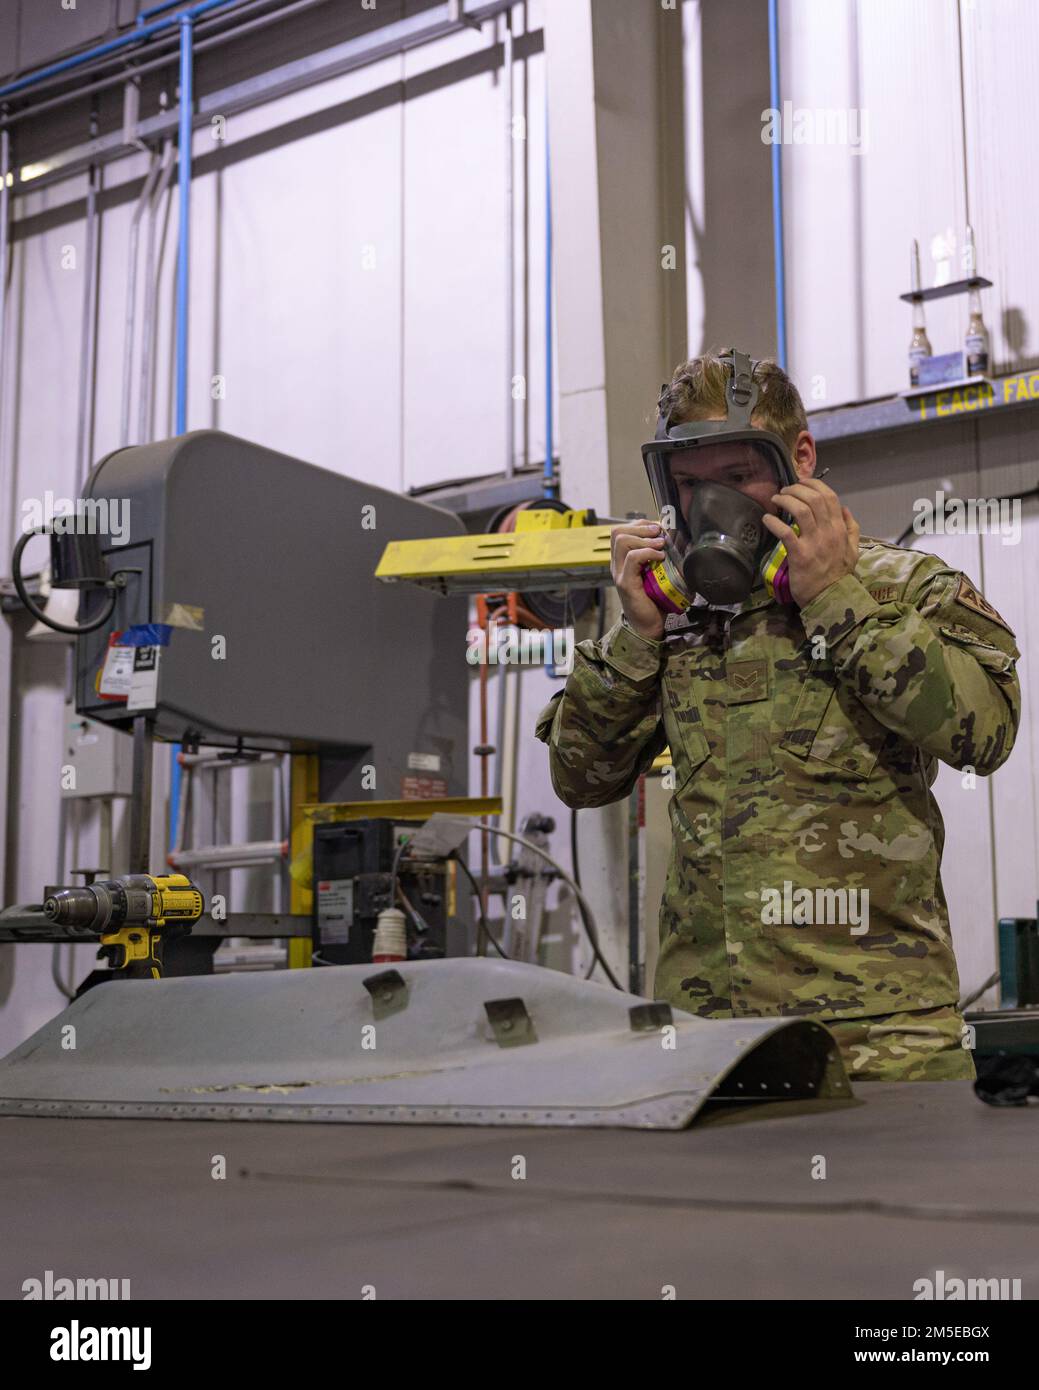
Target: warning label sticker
(335, 909)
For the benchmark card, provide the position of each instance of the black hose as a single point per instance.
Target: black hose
(479, 903)
(567, 878)
(74, 630)
(597, 956)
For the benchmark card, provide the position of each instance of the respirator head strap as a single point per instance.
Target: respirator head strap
(742, 391)
(663, 411)
(741, 394)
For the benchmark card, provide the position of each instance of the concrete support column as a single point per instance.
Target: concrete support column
(731, 267)
(615, 113)
(616, 135)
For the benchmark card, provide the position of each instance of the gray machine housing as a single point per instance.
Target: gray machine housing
(319, 655)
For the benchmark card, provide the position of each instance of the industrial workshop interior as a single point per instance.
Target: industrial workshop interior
(516, 734)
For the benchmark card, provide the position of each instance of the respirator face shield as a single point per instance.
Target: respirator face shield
(713, 487)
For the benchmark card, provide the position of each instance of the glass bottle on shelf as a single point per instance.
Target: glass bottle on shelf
(976, 346)
(919, 343)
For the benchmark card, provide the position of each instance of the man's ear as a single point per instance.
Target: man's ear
(803, 455)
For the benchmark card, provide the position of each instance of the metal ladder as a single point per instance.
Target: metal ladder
(211, 858)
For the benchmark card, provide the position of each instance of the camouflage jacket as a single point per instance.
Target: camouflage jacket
(804, 746)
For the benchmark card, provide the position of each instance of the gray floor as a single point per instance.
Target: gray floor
(919, 1178)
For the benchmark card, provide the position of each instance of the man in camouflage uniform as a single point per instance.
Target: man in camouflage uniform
(804, 739)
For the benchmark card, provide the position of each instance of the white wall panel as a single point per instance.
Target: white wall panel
(33, 803)
(849, 219)
(822, 192)
(912, 176)
(1001, 57)
(46, 306)
(300, 314)
(453, 371)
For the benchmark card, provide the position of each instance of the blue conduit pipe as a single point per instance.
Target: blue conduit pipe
(145, 15)
(778, 258)
(175, 790)
(137, 35)
(550, 486)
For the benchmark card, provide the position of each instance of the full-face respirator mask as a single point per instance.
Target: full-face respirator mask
(716, 542)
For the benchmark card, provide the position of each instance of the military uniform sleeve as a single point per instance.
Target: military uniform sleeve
(604, 729)
(937, 666)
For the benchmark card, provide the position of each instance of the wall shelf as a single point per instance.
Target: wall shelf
(935, 405)
(974, 282)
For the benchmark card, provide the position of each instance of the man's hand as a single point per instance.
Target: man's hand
(827, 548)
(632, 547)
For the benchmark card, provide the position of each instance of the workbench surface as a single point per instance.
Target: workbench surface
(920, 1177)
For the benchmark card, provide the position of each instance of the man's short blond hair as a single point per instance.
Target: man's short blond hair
(697, 392)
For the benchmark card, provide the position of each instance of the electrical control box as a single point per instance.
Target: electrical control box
(353, 882)
(97, 759)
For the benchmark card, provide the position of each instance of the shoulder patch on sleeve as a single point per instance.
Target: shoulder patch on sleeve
(968, 597)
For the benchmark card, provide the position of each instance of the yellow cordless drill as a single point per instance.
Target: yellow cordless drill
(132, 915)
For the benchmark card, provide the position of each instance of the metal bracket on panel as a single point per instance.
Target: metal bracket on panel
(511, 1023)
(131, 109)
(389, 992)
(647, 1018)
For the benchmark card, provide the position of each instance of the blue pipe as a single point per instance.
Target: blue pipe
(550, 485)
(135, 36)
(778, 257)
(183, 285)
(156, 9)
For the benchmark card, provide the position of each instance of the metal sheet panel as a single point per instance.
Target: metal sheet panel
(307, 1045)
(51, 32)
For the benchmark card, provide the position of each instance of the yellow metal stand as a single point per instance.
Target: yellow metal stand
(303, 789)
